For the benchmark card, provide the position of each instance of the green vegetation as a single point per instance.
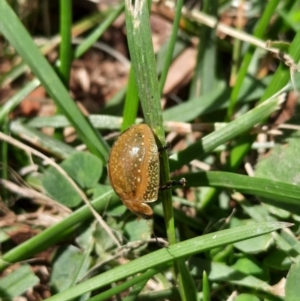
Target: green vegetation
(224, 96)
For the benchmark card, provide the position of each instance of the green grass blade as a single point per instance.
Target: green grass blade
(97, 33)
(143, 62)
(164, 256)
(138, 281)
(65, 49)
(55, 233)
(231, 130)
(13, 102)
(19, 38)
(144, 66)
(258, 32)
(276, 193)
(279, 80)
(205, 70)
(131, 102)
(171, 46)
(56, 147)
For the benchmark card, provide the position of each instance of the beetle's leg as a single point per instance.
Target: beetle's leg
(171, 183)
(167, 146)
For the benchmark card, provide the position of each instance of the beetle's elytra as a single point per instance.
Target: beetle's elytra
(133, 169)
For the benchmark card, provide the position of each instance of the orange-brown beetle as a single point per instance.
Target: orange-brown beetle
(133, 169)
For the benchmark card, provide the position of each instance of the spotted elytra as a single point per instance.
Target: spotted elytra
(133, 169)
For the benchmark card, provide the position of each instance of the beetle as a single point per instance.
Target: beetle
(133, 169)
